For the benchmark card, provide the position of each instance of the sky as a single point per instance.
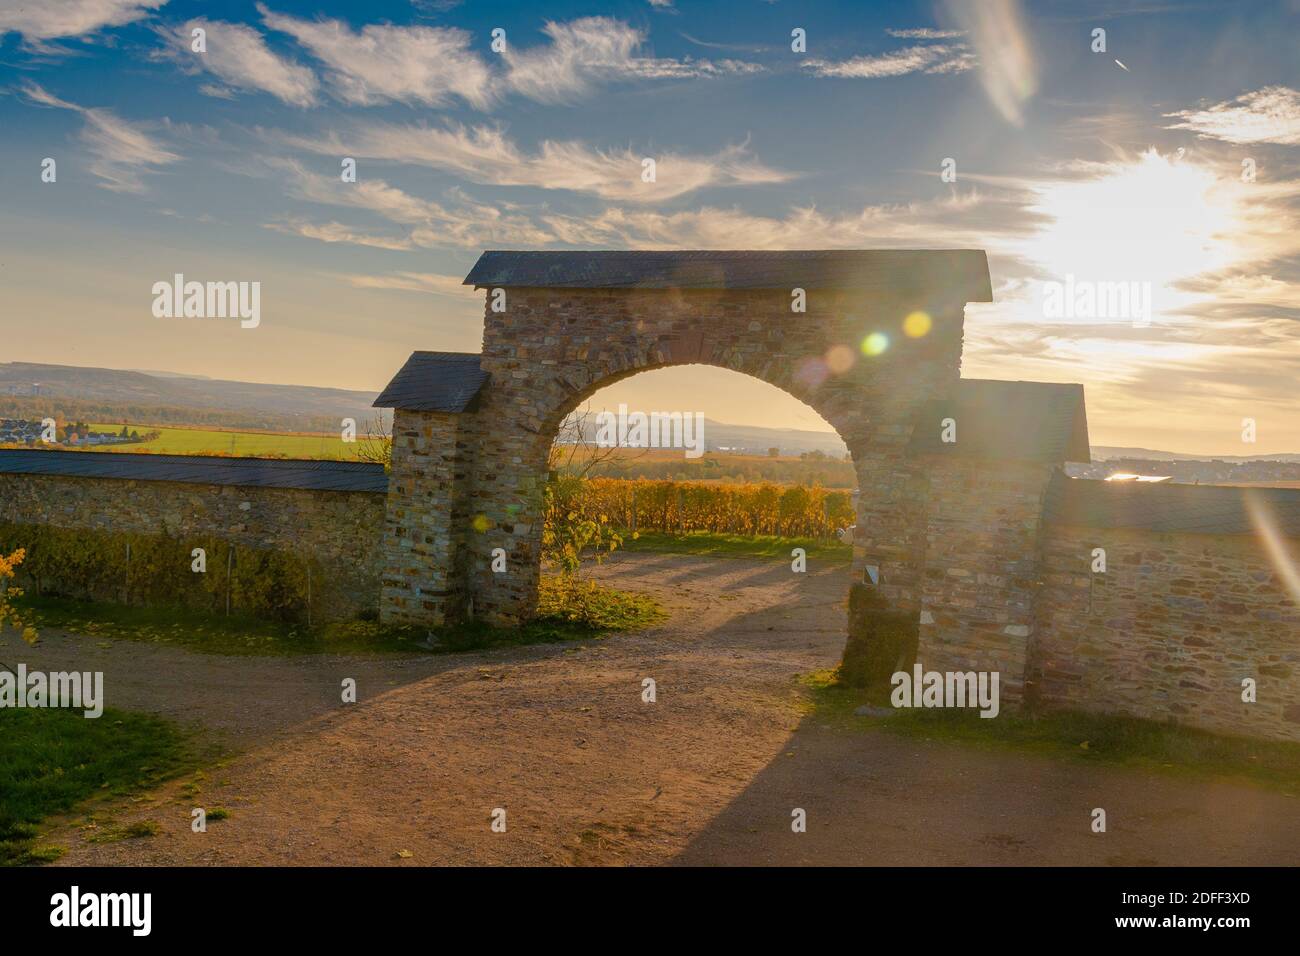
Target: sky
(1164, 152)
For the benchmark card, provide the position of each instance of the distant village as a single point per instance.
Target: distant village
(1190, 472)
(17, 431)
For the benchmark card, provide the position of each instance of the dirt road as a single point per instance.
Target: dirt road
(588, 773)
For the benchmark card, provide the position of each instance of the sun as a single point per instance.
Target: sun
(1159, 218)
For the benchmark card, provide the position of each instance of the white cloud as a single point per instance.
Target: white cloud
(485, 155)
(217, 92)
(120, 150)
(435, 66)
(912, 225)
(338, 232)
(239, 57)
(940, 58)
(383, 63)
(424, 282)
(1268, 115)
(925, 33)
(465, 223)
(593, 50)
(43, 97)
(51, 19)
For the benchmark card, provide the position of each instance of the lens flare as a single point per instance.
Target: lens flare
(811, 372)
(916, 325)
(1275, 543)
(875, 343)
(839, 359)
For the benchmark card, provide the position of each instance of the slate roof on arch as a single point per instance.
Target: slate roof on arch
(1030, 421)
(957, 273)
(435, 382)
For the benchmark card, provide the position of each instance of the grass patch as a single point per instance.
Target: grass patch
(1085, 738)
(586, 604)
(51, 760)
(738, 545)
(566, 611)
(222, 441)
(114, 833)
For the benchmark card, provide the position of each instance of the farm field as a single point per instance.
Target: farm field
(210, 441)
(670, 464)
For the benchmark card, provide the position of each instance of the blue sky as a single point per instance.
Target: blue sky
(1120, 165)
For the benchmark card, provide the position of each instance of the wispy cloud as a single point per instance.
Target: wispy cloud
(52, 19)
(1268, 115)
(121, 151)
(380, 63)
(438, 66)
(968, 219)
(460, 223)
(423, 282)
(486, 155)
(925, 33)
(338, 232)
(238, 56)
(593, 50)
(939, 58)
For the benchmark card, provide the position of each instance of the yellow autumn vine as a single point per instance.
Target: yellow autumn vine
(8, 614)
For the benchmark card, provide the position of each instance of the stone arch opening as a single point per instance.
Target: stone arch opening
(719, 450)
(723, 394)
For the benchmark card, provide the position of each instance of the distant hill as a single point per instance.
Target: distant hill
(162, 398)
(754, 439)
(1107, 452)
(117, 394)
(94, 394)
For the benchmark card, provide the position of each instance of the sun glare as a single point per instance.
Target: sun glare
(1158, 219)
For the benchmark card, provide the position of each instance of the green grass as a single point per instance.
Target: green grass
(52, 760)
(565, 613)
(1077, 737)
(208, 441)
(737, 545)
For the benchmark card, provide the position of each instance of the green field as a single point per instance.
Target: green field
(204, 441)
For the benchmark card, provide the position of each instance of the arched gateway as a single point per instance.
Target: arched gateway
(945, 550)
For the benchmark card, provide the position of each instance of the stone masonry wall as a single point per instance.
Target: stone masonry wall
(424, 554)
(981, 573)
(1168, 631)
(553, 348)
(341, 530)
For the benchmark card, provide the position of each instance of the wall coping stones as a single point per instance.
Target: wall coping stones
(1188, 509)
(961, 274)
(310, 475)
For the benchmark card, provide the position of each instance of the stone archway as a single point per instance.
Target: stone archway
(472, 431)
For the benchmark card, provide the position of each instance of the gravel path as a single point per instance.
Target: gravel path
(588, 773)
